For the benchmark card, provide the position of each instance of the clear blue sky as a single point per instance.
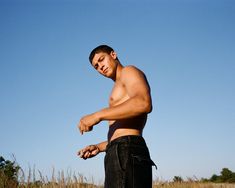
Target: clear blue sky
(185, 48)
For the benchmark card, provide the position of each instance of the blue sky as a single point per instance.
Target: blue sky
(185, 48)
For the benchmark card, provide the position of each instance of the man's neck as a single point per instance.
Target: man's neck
(118, 72)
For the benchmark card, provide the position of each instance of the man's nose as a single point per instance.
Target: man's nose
(101, 66)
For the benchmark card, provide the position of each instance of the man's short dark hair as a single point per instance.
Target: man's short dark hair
(102, 48)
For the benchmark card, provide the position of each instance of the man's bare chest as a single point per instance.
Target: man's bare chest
(118, 94)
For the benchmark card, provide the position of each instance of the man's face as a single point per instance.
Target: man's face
(105, 63)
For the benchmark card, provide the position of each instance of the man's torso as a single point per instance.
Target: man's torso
(130, 126)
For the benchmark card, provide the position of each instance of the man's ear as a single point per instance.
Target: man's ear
(113, 54)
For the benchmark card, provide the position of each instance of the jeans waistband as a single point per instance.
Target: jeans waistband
(130, 139)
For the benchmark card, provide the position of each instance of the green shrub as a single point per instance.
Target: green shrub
(8, 173)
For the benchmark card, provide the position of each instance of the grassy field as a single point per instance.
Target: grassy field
(192, 185)
(72, 180)
(157, 185)
(13, 176)
(35, 179)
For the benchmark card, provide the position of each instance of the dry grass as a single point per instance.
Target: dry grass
(57, 180)
(191, 185)
(35, 179)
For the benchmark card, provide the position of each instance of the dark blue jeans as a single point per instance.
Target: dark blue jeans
(128, 163)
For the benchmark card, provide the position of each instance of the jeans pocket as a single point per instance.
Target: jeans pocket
(142, 171)
(122, 156)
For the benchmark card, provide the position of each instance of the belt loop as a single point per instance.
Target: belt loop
(129, 139)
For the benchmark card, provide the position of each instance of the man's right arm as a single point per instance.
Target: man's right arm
(138, 103)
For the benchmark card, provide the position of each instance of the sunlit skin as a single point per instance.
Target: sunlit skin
(129, 103)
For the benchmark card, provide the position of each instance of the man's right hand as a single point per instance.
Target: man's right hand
(89, 151)
(87, 122)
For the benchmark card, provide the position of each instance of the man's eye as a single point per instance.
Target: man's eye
(101, 59)
(96, 66)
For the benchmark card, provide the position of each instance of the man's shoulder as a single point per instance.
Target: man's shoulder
(131, 69)
(131, 72)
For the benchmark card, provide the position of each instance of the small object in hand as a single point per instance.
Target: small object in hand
(81, 153)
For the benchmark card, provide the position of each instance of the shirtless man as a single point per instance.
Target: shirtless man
(127, 159)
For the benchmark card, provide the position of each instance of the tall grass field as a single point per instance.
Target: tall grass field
(72, 180)
(12, 176)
